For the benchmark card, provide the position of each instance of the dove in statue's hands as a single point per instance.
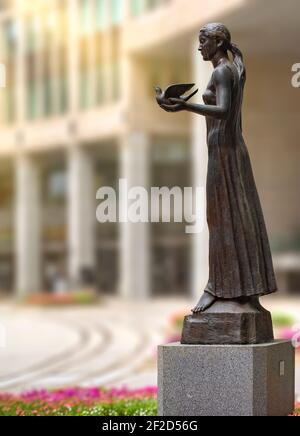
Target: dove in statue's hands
(171, 99)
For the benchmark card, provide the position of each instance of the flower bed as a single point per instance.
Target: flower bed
(84, 402)
(297, 409)
(81, 402)
(64, 299)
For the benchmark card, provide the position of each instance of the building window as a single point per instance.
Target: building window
(31, 66)
(55, 185)
(117, 10)
(115, 67)
(138, 7)
(47, 76)
(99, 51)
(62, 56)
(100, 15)
(107, 234)
(84, 72)
(8, 58)
(47, 62)
(53, 221)
(99, 67)
(170, 251)
(86, 16)
(86, 25)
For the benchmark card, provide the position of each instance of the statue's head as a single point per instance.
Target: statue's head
(214, 37)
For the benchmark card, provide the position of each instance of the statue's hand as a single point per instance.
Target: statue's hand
(177, 105)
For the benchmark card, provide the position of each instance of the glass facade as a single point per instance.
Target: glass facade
(46, 57)
(107, 234)
(54, 220)
(170, 250)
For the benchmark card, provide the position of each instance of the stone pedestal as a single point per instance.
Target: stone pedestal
(226, 380)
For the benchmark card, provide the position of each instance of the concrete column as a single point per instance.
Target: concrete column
(135, 245)
(202, 74)
(28, 226)
(81, 213)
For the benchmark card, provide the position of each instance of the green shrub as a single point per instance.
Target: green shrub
(283, 320)
(146, 407)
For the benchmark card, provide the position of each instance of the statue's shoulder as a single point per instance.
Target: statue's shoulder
(223, 74)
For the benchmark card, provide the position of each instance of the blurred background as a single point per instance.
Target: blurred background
(79, 299)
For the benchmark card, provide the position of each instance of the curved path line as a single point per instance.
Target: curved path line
(43, 366)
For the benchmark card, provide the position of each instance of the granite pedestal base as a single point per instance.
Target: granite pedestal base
(226, 380)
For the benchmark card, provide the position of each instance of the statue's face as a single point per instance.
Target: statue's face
(208, 47)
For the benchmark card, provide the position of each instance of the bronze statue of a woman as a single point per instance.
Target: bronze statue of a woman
(240, 262)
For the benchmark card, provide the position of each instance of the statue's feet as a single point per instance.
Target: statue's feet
(206, 301)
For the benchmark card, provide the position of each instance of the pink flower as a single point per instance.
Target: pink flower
(73, 396)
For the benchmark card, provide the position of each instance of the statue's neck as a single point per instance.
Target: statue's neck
(219, 58)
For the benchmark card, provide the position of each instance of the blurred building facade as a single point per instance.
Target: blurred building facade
(78, 112)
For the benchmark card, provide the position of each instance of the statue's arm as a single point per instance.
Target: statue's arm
(222, 80)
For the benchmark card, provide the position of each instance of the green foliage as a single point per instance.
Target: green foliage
(146, 407)
(124, 408)
(283, 320)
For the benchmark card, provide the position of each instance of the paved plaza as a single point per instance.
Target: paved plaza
(110, 344)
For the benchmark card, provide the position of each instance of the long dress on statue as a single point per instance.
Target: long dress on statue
(240, 261)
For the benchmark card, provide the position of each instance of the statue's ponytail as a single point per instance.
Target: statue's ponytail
(238, 61)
